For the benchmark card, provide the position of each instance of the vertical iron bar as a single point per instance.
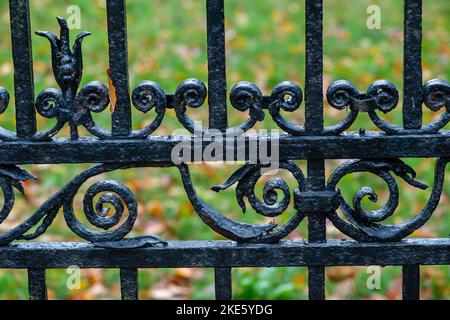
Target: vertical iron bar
(129, 284)
(23, 68)
(411, 282)
(37, 287)
(314, 125)
(314, 67)
(412, 60)
(316, 230)
(222, 278)
(217, 83)
(118, 66)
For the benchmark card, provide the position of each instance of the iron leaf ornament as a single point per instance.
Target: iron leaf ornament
(67, 63)
(67, 104)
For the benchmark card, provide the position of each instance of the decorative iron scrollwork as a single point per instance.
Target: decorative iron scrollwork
(11, 177)
(191, 93)
(382, 95)
(67, 105)
(247, 177)
(244, 96)
(288, 96)
(105, 203)
(146, 96)
(72, 105)
(67, 65)
(104, 214)
(364, 225)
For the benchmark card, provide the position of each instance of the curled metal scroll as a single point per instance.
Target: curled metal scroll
(244, 96)
(288, 96)
(246, 178)
(104, 213)
(146, 96)
(383, 96)
(364, 225)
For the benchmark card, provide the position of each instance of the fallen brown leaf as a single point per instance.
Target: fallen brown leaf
(112, 91)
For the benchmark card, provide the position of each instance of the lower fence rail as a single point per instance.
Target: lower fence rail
(223, 256)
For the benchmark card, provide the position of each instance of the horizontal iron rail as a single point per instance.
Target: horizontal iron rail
(225, 254)
(159, 149)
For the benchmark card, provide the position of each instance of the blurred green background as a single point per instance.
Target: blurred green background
(265, 42)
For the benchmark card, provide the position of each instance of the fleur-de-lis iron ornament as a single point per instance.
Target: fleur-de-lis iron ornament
(67, 62)
(67, 67)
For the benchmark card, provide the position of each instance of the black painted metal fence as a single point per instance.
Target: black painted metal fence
(262, 245)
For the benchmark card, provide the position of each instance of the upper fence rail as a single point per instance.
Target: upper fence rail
(74, 106)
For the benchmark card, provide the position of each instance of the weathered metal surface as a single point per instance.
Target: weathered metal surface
(23, 69)
(225, 254)
(217, 82)
(118, 64)
(129, 284)
(37, 287)
(158, 149)
(222, 278)
(411, 282)
(120, 147)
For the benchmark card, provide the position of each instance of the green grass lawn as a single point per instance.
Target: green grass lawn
(265, 42)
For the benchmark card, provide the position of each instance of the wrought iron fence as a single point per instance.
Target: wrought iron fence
(248, 245)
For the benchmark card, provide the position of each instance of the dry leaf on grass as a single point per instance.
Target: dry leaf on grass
(112, 91)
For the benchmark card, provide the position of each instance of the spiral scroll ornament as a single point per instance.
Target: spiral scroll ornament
(383, 96)
(270, 206)
(436, 95)
(365, 225)
(246, 96)
(105, 204)
(100, 215)
(191, 93)
(287, 97)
